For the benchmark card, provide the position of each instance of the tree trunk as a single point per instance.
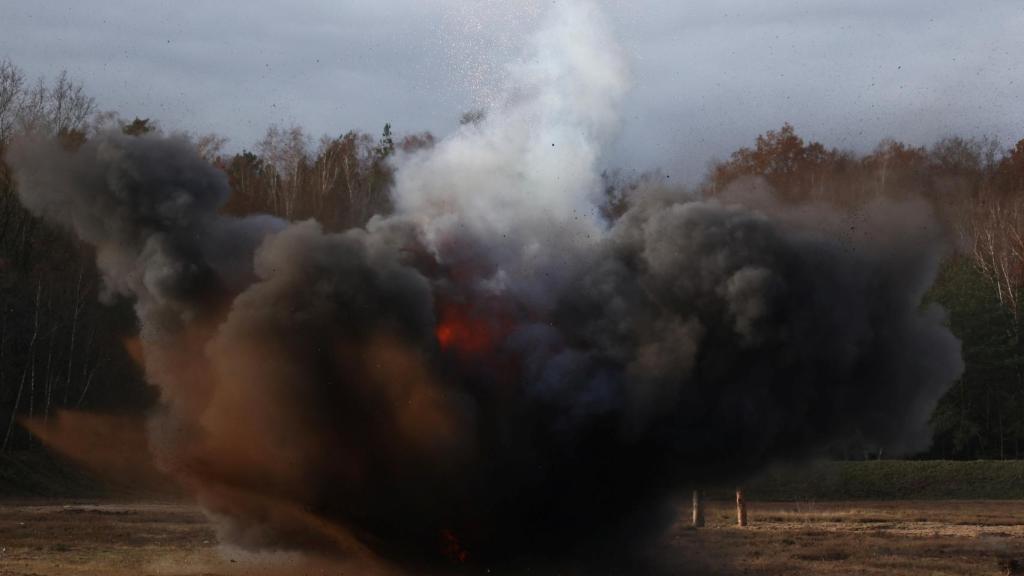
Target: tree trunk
(32, 355)
(74, 331)
(24, 374)
(85, 389)
(14, 414)
(48, 374)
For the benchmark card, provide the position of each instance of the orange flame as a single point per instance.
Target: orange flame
(464, 332)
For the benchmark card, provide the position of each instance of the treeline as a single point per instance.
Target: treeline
(63, 343)
(60, 347)
(341, 183)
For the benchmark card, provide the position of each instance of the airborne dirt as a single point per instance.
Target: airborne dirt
(912, 538)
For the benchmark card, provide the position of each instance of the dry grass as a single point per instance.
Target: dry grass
(904, 538)
(131, 540)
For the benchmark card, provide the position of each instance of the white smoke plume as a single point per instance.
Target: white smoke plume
(527, 174)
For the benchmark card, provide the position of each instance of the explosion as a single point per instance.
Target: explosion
(458, 329)
(495, 375)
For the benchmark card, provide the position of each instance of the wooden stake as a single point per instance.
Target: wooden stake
(698, 509)
(741, 508)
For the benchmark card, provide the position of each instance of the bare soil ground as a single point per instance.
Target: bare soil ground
(904, 538)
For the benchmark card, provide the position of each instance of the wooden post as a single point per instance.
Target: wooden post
(741, 508)
(698, 509)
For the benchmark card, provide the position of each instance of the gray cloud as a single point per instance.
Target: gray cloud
(707, 76)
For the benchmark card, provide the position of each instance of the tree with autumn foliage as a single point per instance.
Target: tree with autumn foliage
(799, 171)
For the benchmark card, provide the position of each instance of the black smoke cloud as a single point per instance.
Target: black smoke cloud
(695, 341)
(494, 376)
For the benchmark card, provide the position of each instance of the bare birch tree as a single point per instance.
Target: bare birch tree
(68, 107)
(12, 82)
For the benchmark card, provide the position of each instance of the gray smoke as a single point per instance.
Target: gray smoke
(494, 375)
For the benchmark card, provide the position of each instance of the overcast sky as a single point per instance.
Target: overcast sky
(708, 76)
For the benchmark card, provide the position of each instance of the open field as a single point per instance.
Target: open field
(907, 538)
(891, 480)
(889, 517)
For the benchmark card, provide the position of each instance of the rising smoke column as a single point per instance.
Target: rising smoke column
(493, 374)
